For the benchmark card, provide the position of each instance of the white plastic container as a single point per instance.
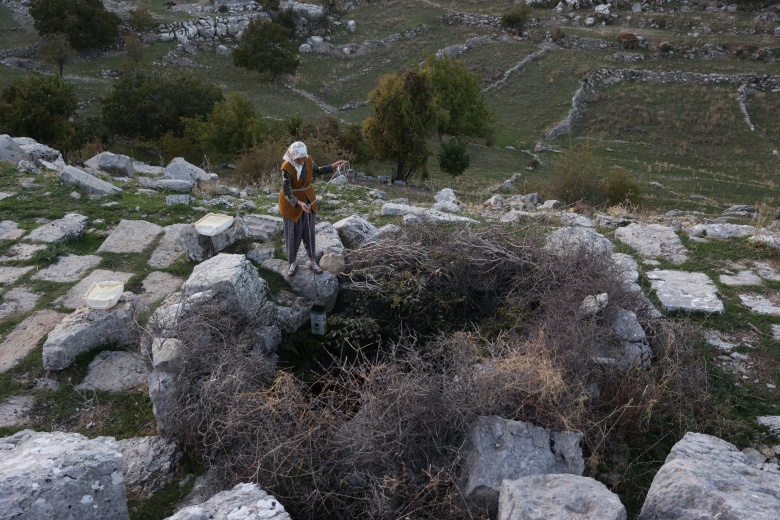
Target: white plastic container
(104, 295)
(213, 224)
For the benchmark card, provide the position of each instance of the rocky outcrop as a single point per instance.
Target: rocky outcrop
(148, 463)
(232, 278)
(61, 475)
(706, 477)
(354, 231)
(246, 500)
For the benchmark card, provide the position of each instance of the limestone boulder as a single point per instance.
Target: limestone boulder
(87, 329)
(39, 152)
(355, 231)
(264, 228)
(179, 169)
(115, 371)
(230, 277)
(48, 475)
(164, 406)
(82, 179)
(148, 463)
(113, 164)
(721, 231)
(200, 247)
(426, 214)
(10, 151)
(321, 289)
(500, 449)
(167, 355)
(177, 185)
(558, 497)
(574, 239)
(707, 477)
(69, 227)
(245, 501)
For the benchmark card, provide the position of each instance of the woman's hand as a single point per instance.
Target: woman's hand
(305, 207)
(338, 164)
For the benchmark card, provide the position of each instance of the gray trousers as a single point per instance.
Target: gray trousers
(295, 232)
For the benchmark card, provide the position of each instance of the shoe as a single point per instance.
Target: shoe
(315, 267)
(292, 269)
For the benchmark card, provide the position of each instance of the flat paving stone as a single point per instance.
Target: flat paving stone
(26, 336)
(766, 271)
(5, 195)
(760, 304)
(744, 277)
(15, 410)
(69, 268)
(157, 286)
(9, 230)
(684, 291)
(130, 236)
(115, 371)
(8, 275)
(75, 297)
(22, 252)
(170, 248)
(17, 301)
(653, 241)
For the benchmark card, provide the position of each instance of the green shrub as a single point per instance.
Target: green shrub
(222, 9)
(268, 48)
(578, 176)
(517, 18)
(621, 189)
(354, 141)
(558, 34)
(86, 22)
(141, 20)
(454, 158)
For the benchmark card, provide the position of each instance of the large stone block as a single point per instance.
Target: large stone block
(200, 247)
(113, 164)
(653, 241)
(148, 463)
(264, 227)
(355, 231)
(130, 236)
(179, 169)
(62, 476)
(77, 177)
(321, 289)
(231, 277)
(86, 329)
(10, 151)
(685, 291)
(164, 407)
(69, 227)
(246, 500)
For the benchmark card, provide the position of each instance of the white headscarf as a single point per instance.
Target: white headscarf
(296, 151)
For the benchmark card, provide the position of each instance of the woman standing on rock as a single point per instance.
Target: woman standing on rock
(298, 203)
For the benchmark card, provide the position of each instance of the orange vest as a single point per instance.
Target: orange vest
(302, 189)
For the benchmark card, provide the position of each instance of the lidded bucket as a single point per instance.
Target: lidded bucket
(318, 318)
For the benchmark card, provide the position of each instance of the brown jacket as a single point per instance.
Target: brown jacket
(303, 190)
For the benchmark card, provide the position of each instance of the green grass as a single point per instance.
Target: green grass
(12, 33)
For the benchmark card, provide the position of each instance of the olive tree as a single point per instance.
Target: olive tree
(266, 47)
(55, 50)
(404, 117)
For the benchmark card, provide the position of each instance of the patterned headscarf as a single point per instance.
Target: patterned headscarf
(296, 151)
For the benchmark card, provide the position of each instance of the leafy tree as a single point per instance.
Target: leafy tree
(141, 20)
(404, 117)
(87, 23)
(150, 101)
(294, 125)
(456, 91)
(232, 127)
(134, 47)
(453, 158)
(40, 107)
(55, 50)
(266, 47)
(354, 141)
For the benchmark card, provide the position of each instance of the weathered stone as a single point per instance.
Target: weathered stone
(706, 477)
(328, 245)
(75, 296)
(626, 266)
(635, 350)
(268, 339)
(164, 406)
(766, 271)
(169, 248)
(39, 152)
(9, 230)
(684, 291)
(575, 239)
(321, 289)
(772, 422)
(760, 304)
(18, 301)
(178, 199)
(10, 151)
(400, 210)
(293, 315)
(500, 449)
(260, 254)
(232, 277)
(155, 287)
(354, 231)
(26, 336)
(178, 185)
(743, 210)
(145, 169)
(653, 241)
(200, 247)
(86, 329)
(77, 177)
(113, 164)
(68, 268)
(61, 475)
(22, 252)
(115, 371)
(148, 463)
(744, 277)
(179, 169)
(721, 230)
(575, 219)
(776, 332)
(69, 227)
(558, 497)
(9, 275)
(446, 206)
(130, 236)
(594, 304)
(15, 411)
(264, 228)
(246, 500)
(766, 238)
(550, 204)
(167, 355)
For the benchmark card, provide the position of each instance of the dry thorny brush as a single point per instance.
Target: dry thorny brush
(381, 434)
